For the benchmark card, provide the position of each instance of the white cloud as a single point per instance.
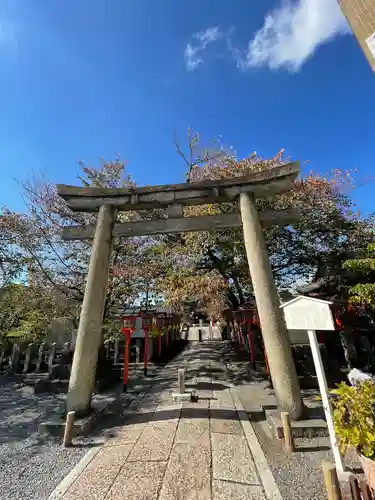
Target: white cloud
(200, 41)
(192, 59)
(292, 32)
(290, 35)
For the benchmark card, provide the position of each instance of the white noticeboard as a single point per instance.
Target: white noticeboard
(306, 313)
(370, 42)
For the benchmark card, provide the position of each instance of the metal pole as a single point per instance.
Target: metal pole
(323, 387)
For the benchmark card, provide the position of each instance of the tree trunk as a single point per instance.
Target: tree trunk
(238, 289)
(232, 299)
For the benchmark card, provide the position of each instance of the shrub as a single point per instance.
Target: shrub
(354, 417)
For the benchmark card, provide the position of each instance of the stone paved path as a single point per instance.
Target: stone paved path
(200, 450)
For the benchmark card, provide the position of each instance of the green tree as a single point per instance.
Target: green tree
(212, 266)
(363, 272)
(26, 312)
(58, 267)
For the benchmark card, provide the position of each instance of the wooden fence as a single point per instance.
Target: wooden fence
(356, 489)
(40, 358)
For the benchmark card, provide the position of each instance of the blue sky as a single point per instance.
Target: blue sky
(81, 79)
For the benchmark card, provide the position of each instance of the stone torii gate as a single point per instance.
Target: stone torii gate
(107, 201)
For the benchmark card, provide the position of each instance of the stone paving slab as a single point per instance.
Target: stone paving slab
(200, 403)
(225, 421)
(196, 450)
(97, 478)
(195, 411)
(138, 481)
(167, 411)
(224, 490)
(192, 429)
(155, 442)
(188, 475)
(222, 399)
(232, 460)
(127, 434)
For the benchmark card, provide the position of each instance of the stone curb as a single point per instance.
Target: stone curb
(65, 484)
(269, 484)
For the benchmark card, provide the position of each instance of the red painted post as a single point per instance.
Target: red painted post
(167, 338)
(126, 360)
(129, 326)
(147, 322)
(251, 343)
(145, 354)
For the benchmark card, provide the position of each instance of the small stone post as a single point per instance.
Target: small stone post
(27, 358)
(274, 332)
(137, 351)
(66, 347)
(51, 357)
(181, 380)
(68, 431)
(288, 431)
(182, 394)
(89, 335)
(40, 357)
(14, 358)
(331, 482)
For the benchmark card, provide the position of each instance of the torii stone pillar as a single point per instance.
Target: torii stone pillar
(89, 335)
(275, 335)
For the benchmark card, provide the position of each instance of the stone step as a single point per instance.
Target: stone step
(311, 427)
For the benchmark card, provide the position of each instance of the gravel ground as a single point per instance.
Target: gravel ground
(299, 475)
(30, 467)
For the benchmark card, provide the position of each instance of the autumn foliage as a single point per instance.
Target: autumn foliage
(209, 267)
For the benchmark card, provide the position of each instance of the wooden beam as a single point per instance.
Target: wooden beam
(183, 225)
(261, 176)
(264, 183)
(188, 198)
